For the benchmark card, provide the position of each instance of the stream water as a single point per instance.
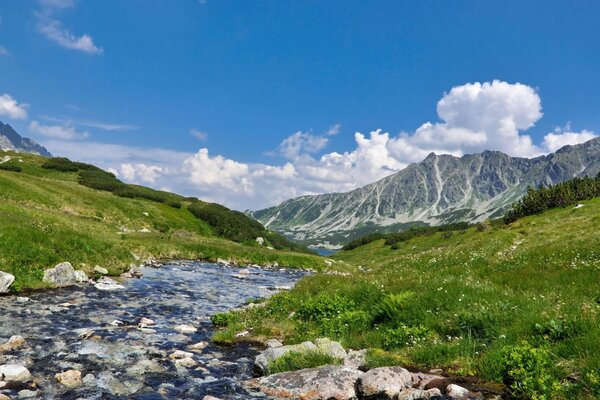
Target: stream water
(97, 334)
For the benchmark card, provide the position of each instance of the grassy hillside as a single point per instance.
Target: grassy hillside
(47, 216)
(516, 304)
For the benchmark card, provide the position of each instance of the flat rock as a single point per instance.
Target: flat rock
(61, 275)
(14, 373)
(420, 394)
(100, 270)
(6, 280)
(384, 382)
(356, 359)
(107, 284)
(331, 382)
(184, 328)
(271, 343)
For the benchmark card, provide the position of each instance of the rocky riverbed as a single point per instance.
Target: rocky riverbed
(148, 340)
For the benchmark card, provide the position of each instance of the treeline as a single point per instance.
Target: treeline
(394, 238)
(565, 194)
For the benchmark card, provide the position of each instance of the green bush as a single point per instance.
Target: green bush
(65, 165)
(223, 319)
(227, 223)
(10, 167)
(100, 180)
(404, 336)
(527, 371)
(295, 361)
(556, 330)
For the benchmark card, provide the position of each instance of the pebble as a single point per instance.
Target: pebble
(71, 378)
(184, 328)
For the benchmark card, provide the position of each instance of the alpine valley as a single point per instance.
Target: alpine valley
(441, 189)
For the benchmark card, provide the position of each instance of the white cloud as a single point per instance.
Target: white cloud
(9, 107)
(301, 143)
(54, 30)
(3, 51)
(565, 136)
(334, 129)
(63, 132)
(198, 134)
(92, 124)
(473, 117)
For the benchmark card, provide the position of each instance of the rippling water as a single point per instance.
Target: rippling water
(124, 361)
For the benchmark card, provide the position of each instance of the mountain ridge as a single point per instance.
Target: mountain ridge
(11, 140)
(440, 189)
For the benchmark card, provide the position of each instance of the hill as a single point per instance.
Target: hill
(514, 304)
(49, 215)
(441, 189)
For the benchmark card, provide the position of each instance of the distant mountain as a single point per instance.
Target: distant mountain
(11, 140)
(440, 189)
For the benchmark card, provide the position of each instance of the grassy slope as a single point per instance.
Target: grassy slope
(46, 217)
(474, 295)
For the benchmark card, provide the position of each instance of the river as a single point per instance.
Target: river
(96, 332)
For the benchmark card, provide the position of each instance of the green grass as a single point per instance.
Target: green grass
(47, 217)
(517, 304)
(295, 361)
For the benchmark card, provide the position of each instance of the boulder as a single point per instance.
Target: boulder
(6, 280)
(384, 382)
(14, 373)
(81, 276)
(12, 343)
(356, 359)
(60, 276)
(332, 382)
(70, 379)
(455, 392)
(262, 361)
(331, 348)
(422, 381)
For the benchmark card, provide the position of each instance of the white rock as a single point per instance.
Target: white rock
(184, 328)
(14, 373)
(147, 321)
(12, 343)
(6, 280)
(384, 382)
(178, 354)
(198, 347)
(456, 392)
(260, 240)
(145, 230)
(106, 283)
(100, 270)
(186, 362)
(271, 343)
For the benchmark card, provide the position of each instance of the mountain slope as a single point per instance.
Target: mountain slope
(11, 140)
(440, 189)
(49, 216)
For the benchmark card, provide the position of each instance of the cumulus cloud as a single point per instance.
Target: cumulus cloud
(565, 136)
(301, 143)
(64, 132)
(472, 118)
(198, 134)
(10, 108)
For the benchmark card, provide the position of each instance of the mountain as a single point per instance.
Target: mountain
(440, 189)
(11, 140)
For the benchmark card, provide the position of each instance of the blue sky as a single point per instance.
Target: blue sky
(250, 103)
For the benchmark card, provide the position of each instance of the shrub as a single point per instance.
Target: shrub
(223, 319)
(323, 307)
(100, 180)
(65, 165)
(390, 307)
(361, 241)
(10, 167)
(227, 223)
(527, 372)
(555, 330)
(404, 336)
(294, 361)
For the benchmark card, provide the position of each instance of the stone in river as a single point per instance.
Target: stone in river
(14, 373)
(6, 280)
(70, 379)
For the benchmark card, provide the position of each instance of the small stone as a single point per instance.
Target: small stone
(456, 392)
(242, 334)
(70, 379)
(184, 328)
(14, 373)
(147, 321)
(27, 394)
(186, 362)
(384, 382)
(12, 343)
(178, 354)
(210, 398)
(198, 347)
(23, 299)
(81, 276)
(3, 396)
(89, 380)
(108, 284)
